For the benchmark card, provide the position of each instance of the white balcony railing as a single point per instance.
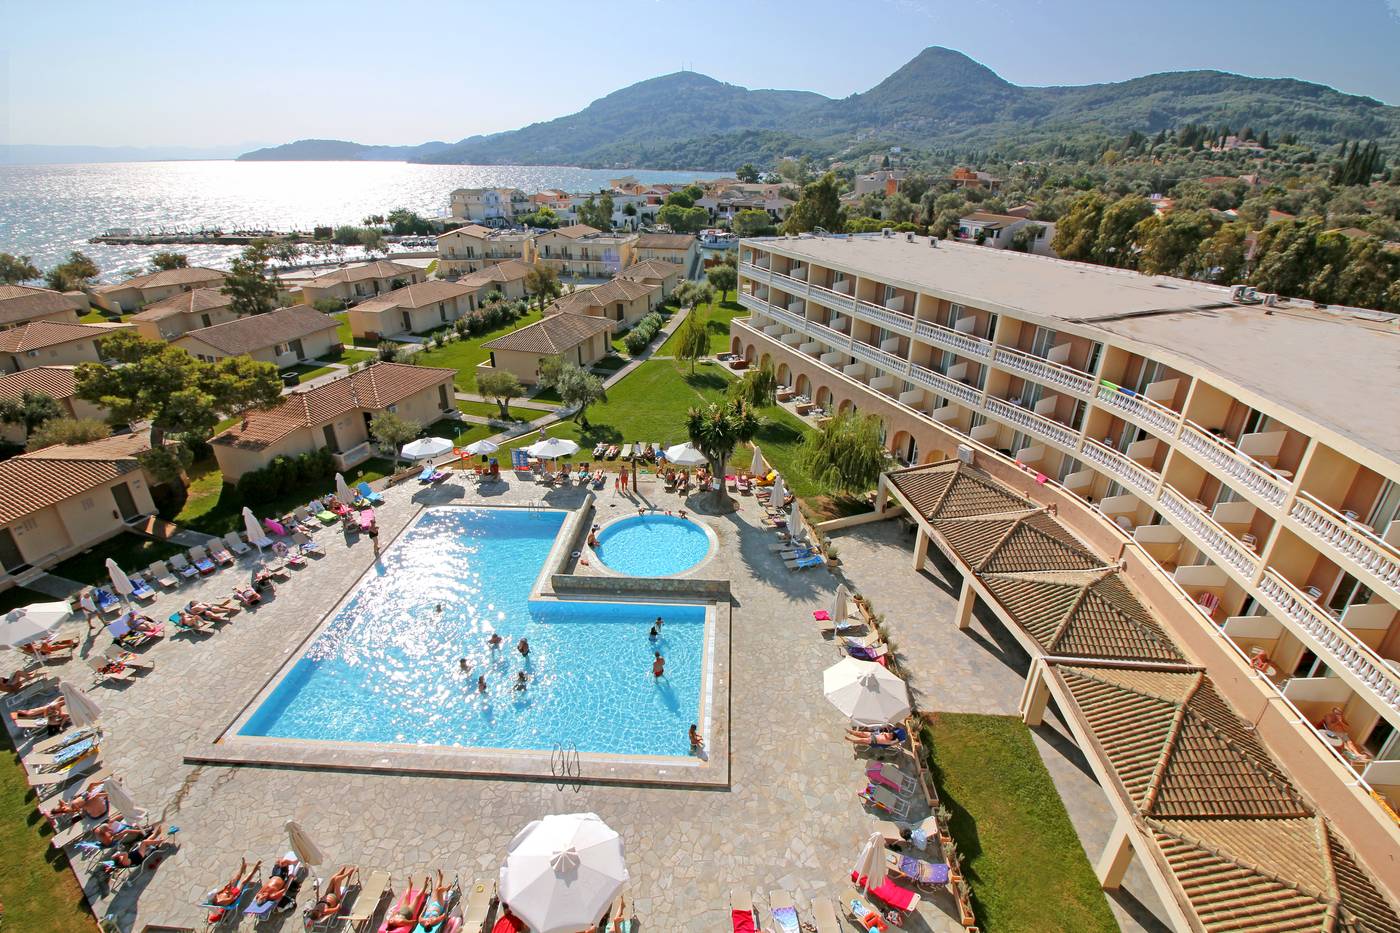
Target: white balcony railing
(1217, 540)
(957, 341)
(887, 361)
(1347, 538)
(832, 299)
(1041, 426)
(1330, 640)
(1043, 371)
(1248, 473)
(885, 317)
(1140, 408)
(945, 386)
(1124, 469)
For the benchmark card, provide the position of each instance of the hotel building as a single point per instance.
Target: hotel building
(1249, 448)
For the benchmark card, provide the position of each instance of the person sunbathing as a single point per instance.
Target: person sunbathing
(17, 681)
(228, 895)
(52, 646)
(877, 736)
(91, 803)
(262, 580)
(144, 624)
(116, 831)
(247, 594)
(277, 882)
(435, 910)
(134, 855)
(405, 917)
(190, 620)
(330, 902)
(212, 613)
(1336, 729)
(58, 707)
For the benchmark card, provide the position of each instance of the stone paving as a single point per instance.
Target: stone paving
(981, 670)
(790, 818)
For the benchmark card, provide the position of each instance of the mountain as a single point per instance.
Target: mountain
(941, 98)
(37, 155)
(338, 150)
(681, 106)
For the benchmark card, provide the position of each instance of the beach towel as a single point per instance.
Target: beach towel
(786, 918)
(923, 872)
(742, 921)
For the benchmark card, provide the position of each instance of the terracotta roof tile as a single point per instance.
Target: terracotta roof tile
(379, 269)
(953, 490)
(509, 271)
(39, 334)
(54, 381)
(554, 334)
(574, 231)
(20, 303)
(193, 275)
(45, 477)
(372, 388)
(600, 296)
(651, 269)
(666, 241)
(262, 330)
(416, 296)
(191, 302)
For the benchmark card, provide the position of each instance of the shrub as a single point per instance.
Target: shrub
(328, 305)
(386, 350)
(636, 342)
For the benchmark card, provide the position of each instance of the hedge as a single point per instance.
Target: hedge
(285, 474)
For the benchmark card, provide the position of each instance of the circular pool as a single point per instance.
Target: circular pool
(652, 545)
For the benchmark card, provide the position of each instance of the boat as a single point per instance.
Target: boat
(715, 238)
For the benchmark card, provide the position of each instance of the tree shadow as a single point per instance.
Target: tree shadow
(702, 381)
(778, 432)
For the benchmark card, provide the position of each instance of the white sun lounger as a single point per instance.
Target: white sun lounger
(183, 567)
(367, 901)
(235, 543)
(162, 575)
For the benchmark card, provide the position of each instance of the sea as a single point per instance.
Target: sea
(48, 210)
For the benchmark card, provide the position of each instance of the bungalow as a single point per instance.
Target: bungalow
(58, 383)
(664, 275)
(20, 304)
(579, 338)
(487, 203)
(412, 309)
(623, 301)
(679, 248)
(999, 230)
(335, 415)
(967, 178)
(584, 251)
(474, 247)
(885, 181)
(182, 313)
(135, 293)
(283, 337)
(507, 277)
(66, 498)
(351, 284)
(52, 343)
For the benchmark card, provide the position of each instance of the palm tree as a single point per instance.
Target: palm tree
(719, 428)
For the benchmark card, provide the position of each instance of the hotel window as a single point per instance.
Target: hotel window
(1068, 465)
(889, 292)
(1043, 342)
(1387, 507)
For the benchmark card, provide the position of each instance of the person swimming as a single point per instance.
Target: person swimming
(658, 667)
(481, 684)
(464, 665)
(522, 680)
(523, 648)
(494, 642)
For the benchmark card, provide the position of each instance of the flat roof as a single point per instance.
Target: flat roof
(1332, 367)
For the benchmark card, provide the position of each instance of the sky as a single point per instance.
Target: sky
(203, 74)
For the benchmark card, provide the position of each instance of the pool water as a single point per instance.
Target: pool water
(652, 545)
(385, 668)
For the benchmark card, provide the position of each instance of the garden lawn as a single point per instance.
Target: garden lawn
(717, 316)
(1022, 858)
(308, 371)
(465, 355)
(492, 410)
(650, 405)
(460, 433)
(39, 893)
(348, 355)
(131, 552)
(343, 331)
(216, 509)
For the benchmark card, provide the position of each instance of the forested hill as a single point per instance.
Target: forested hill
(941, 98)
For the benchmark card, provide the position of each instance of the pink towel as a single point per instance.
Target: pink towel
(821, 615)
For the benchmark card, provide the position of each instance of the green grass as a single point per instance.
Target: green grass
(432, 267)
(39, 893)
(492, 410)
(717, 316)
(348, 339)
(650, 405)
(348, 355)
(96, 316)
(308, 371)
(461, 432)
(609, 364)
(131, 552)
(1022, 858)
(465, 355)
(216, 509)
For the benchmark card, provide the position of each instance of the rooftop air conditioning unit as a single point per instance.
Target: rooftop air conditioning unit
(965, 454)
(1244, 294)
(887, 231)
(933, 242)
(909, 236)
(1271, 300)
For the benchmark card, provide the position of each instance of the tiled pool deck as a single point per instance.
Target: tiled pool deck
(788, 818)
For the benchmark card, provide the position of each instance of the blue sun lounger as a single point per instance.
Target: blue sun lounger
(369, 495)
(140, 588)
(106, 600)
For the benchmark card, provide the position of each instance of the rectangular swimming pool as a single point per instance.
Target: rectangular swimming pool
(385, 668)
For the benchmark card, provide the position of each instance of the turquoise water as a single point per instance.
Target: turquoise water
(385, 669)
(652, 545)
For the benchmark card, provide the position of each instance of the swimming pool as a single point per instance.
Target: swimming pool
(652, 545)
(384, 669)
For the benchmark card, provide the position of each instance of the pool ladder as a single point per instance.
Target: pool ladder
(565, 766)
(535, 508)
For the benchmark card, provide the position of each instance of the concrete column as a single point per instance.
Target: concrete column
(882, 495)
(920, 549)
(967, 601)
(1037, 695)
(1117, 855)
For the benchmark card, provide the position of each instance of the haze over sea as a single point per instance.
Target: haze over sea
(47, 210)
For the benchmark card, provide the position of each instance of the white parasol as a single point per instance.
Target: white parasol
(865, 692)
(758, 467)
(562, 872)
(425, 448)
(775, 498)
(342, 489)
(839, 604)
(305, 849)
(685, 455)
(31, 623)
(870, 863)
(256, 535)
(82, 709)
(552, 448)
(120, 800)
(121, 583)
(482, 447)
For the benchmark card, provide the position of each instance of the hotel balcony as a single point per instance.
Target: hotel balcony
(1139, 409)
(1122, 468)
(951, 338)
(1346, 540)
(1058, 434)
(1043, 371)
(1208, 534)
(942, 385)
(1247, 475)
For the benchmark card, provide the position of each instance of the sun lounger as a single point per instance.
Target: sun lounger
(369, 494)
(863, 652)
(65, 738)
(862, 912)
(884, 799)
(140, 589)
(220, 553)
(52, 780)
(304, 521)
(115, 654)
(741, 913)
(235, 543)
(626, 452)
(613, 452)
(413, 899)
(25, 696)
(62, 757)
(366, 519)
(197, 625)
(107, 601)
(325, 515)
(784, 912)
(162, 575)
(123, 634)
(888, 775)
(427, 475)
(200, 558)
(103, 669)
(916, 870)
(897, 897)
(804, 563)
(182, 567)
(307, 545)
(367, 901)
(67, 794)
(824, 916)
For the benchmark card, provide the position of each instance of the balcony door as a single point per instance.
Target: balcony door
(10, 557)
(126, 503)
